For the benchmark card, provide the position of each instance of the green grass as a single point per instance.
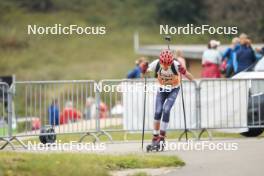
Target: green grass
(4, 131)
(27, 164)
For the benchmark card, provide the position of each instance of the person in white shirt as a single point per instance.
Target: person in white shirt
(211, 61)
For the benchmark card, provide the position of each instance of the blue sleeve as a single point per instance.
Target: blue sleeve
(50, 111)
(258, 56)
(254, 58)
(57, 112)
(237, 47)
(53, 114)
(131, 74)
(226, 54)
(135, 73)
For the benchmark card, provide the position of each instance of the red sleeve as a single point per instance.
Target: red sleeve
(182, 70)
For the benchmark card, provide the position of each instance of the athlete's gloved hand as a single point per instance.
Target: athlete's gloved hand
(182, 70)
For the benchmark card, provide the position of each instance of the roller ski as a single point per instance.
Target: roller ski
(158, 144)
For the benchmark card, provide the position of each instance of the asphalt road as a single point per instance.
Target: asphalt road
(248, 159)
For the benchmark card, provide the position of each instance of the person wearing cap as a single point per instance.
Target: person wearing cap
(211, 60)
(245, 54)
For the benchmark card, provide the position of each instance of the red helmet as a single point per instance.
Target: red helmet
(166, 57)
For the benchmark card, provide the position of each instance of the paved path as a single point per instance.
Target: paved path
(248, 159)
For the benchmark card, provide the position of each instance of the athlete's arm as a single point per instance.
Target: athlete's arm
(152, 66)
(189, 76)
(184, 72)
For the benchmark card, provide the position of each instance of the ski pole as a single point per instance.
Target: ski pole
(183, 107)
(168, 38)
(144, 112)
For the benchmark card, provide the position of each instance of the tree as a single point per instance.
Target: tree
(247, 15)
(180, 11)
(35, 5)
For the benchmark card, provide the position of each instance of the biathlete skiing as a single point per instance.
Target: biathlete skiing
(168, 72)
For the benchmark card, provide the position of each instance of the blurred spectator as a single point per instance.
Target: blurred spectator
(179, 57)
(138, 61)
(69, 113)
(90, 108)
(103, 110)
(259, 53)
(262, 51)
(36, 123)
(54, 112)
(229, 57)
(211, 60)
(141, 67)
(117, 109)
(245, 54)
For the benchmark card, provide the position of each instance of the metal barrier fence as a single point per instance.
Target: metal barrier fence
(256, 104)
(125, 102)
(97, 109)
(224, 103)
(231, 103)
(111, 97)
(65, 105)
(4, 88)
(6, 115)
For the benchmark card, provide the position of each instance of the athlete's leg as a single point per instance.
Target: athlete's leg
(160, 99)
(166, 111)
